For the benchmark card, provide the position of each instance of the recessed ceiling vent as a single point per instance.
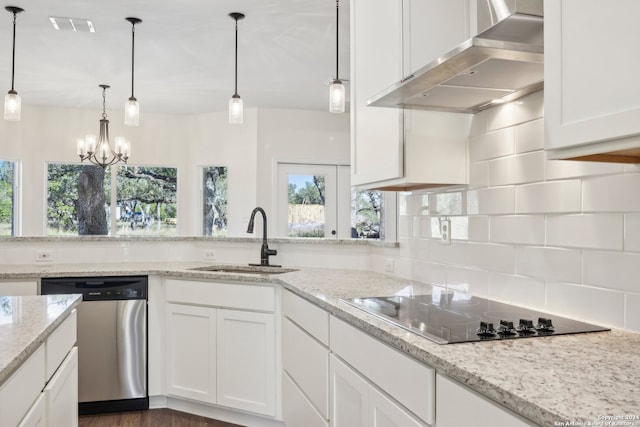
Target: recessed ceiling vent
(72, 24)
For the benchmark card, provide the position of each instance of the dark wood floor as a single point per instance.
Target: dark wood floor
(150, 418)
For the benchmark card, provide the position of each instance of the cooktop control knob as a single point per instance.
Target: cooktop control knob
(486, 330)
(544, 325)
(525, 327)
(506, 328)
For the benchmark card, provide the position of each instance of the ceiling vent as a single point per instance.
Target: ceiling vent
(72, 24)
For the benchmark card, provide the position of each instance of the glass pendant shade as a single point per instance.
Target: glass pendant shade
(132, 112)
(12, 106)
(336, 97)
(235, 110)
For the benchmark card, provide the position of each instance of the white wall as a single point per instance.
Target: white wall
(188, 142)
(557, 235)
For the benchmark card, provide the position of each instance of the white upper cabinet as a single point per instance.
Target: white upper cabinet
(592, 94)
(392, 149)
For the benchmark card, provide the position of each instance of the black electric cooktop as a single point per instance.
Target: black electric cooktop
(448, 318)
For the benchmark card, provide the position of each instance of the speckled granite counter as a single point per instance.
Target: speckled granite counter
(26, 322)
(552, 380)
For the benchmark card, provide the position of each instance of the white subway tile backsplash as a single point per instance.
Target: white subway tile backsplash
(529, 136)
(491, 256)
(595, 231)
(517, 229)
(453, 254)
(557, 264)
(601, 306)
(517, 169)
(549, 197)
(613, 193)
(517, 290)
(561, 169)
(479, 174)
(473, 281)
(492, 145)
(405, 225)
(632, 232)
(523, 110)
(632, 311)
(611, 270)
(478, 228)
(491, 201)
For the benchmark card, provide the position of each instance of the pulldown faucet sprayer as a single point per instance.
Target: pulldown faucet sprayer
(265, 252)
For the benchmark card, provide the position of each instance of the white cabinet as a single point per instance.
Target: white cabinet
(220, 344)
(245, 361)
(392, 149)
(305, 362)
(37, 415)
(190, 354)
(62, 393)
(23, 387)
(592, 96)
(453, 396)
(20, 287)
(357, 403)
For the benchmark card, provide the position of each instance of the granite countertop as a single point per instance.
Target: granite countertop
(551, 381)
(26, 322)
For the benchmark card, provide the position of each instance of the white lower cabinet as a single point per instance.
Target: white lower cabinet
(357, 403)
(62, 393)
(37, 415)
(18, 288)
(478, 411)
(218, 351)
(191, 352)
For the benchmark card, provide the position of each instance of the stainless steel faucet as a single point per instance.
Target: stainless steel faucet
(265, 252)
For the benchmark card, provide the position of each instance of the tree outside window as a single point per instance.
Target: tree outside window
(7, 171)
(214, 195)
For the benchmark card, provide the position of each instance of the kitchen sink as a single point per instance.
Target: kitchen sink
(245, 269)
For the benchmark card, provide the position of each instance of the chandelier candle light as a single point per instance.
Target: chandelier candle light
(132, 108)
(235, 103)
(12, 102)
(99, 152)
(336, 90)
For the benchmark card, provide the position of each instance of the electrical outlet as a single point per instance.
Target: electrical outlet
(209, 255)
(445, 231)
(44, 256)
(388, 265)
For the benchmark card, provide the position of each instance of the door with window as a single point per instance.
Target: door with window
(313, 201)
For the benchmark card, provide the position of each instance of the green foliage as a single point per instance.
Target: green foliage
(367, 211)
(311, 194)
(6, 197)
(215, 184)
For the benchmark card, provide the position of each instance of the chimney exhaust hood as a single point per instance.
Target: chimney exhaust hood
(502, 63)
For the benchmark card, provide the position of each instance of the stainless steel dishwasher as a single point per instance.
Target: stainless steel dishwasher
(112, 340)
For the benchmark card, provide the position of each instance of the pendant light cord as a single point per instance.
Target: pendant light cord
(337, 32)
(13, 56)
(104, 102)
(236, 71)
(133, 38)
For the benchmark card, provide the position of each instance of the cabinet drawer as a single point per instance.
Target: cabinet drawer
(62, 393)
(18, 288)
(245, 297)
(409, 382)
(296, 408)
(309, 317)
(307, 362)
(59, 343)
(37, 415)
(22, 388)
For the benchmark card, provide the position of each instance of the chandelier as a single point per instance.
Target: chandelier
(98, 151)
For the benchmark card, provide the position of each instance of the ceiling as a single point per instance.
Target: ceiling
(184, 53)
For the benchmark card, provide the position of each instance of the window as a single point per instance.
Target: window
(214, 201)
(7, 198)
(306, 209)
(146, 200)
(80, 201)
(63, 201)
(366, 214)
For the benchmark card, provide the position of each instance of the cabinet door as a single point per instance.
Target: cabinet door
(297, 410)
(190, 352)
(246, 361)
(591, 82)
(349, 406)
(384, 412)
(62, 393)
(452, 396)
(37, 415)
(376, 63)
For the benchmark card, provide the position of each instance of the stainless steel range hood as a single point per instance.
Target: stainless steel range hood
(502, 63)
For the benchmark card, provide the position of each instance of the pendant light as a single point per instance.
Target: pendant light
(131, 108)
(337, 97)
(12, 102)
(99, 152)
(235, 103)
